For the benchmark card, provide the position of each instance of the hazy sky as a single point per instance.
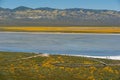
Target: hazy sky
(91, 4)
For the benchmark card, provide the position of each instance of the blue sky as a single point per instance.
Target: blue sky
(89, 4)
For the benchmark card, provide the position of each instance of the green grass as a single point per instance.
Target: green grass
(13, 67)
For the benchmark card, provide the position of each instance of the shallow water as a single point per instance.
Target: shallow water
(78, 44)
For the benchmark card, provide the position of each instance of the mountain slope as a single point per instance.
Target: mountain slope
(25, 16)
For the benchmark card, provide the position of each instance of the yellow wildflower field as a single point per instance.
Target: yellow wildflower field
(63, 29)
(14, 66)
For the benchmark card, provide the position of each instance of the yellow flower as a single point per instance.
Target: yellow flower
(108, 69)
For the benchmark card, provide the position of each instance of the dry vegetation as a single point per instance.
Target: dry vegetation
(63, 29)
(43, 68)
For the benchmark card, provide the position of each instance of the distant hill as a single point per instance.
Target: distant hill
(25, 16)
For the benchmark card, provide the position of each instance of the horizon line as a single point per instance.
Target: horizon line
(58, 8)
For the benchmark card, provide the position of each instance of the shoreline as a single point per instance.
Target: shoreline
(116, 57)
(60, 33)
(100, 57)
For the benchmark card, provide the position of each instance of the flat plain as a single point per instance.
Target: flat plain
(62, 29)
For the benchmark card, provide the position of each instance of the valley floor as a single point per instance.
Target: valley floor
(62, 29)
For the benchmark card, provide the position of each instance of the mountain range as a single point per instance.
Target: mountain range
(25, 16)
